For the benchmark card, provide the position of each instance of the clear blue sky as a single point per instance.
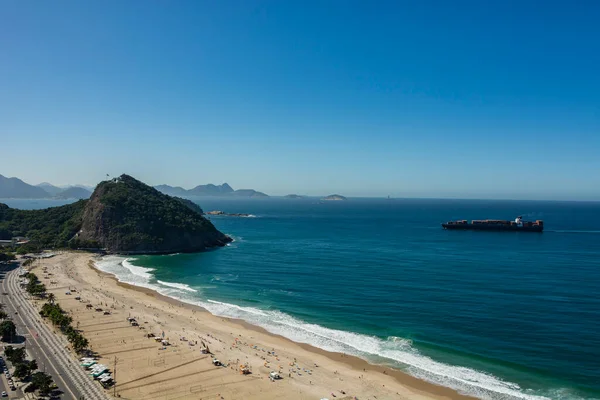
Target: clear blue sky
(422, 98)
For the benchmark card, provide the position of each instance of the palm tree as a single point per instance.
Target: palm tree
(51, 298)
(80, 343)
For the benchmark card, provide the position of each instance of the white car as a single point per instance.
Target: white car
(4, 394)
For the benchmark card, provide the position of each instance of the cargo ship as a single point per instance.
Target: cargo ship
(518, 225)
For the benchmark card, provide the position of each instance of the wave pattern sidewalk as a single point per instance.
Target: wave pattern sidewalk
(56, 344)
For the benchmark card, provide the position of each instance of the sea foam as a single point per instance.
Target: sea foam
(181, 286)
(138, 271)
(393, 351)
(126, 272)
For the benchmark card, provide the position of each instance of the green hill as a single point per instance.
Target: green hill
(123, 215)
(47, 228)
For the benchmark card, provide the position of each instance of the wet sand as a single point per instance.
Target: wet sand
(148, 370)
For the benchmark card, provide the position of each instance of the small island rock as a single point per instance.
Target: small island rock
(219, 212)
(334, 197)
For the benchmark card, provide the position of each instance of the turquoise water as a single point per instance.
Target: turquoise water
(495, 314)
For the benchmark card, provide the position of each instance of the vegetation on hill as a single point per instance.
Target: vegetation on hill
(47, 228)
(123, 215)
(127, 215)
(5, 234)
(190, 204)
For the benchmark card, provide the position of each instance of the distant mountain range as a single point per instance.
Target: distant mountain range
(50, 188)
(209, 190)
(17, 189)
(54, 190)
(74, 192)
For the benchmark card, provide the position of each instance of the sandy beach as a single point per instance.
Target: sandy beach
(145, 369)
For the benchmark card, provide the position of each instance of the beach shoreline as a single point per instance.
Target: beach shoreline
(301, 379)
(357, 363)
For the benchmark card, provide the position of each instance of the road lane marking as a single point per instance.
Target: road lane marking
(34, 339)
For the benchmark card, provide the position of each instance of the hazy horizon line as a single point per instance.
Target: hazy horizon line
(355, 196)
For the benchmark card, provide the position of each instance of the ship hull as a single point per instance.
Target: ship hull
(484, 227)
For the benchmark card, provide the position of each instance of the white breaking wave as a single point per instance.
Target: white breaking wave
(372, 348)
(235, 238)
(392, 351)
(181, 286)
(139, 271)
(126, 272)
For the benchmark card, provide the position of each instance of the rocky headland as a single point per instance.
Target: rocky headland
(123, 215)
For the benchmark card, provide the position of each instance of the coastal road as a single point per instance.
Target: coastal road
(48, 348)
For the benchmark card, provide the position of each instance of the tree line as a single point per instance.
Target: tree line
(59, 318)
(34, 287)
(55, 313)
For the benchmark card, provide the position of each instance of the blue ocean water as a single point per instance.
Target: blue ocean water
(495, 314)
